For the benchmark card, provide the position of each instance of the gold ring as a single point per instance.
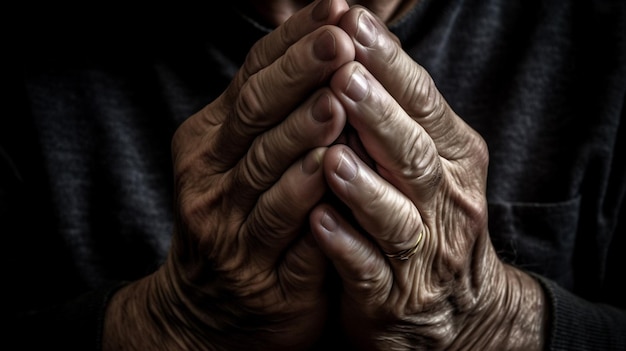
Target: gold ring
(406, 254)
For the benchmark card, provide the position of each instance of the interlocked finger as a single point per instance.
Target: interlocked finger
(385, 213)
(279, 214)
(404, 152)
(316, 123)
(407, 81)
(271, 94)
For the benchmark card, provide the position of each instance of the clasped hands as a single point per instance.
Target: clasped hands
(329, 103)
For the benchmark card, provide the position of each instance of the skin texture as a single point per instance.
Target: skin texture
(429, 175)
(329, 106)
(244, 270)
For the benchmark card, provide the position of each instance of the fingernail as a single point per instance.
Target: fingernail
(328, 222)
(322, 109)
(357, 86)
(366, 30)
(321, 11)
(311, 163)
(324, 47)
(346, 169)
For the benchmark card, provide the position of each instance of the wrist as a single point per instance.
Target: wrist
(150, 314)
(513, 315)
(526, 311)
(126, 325)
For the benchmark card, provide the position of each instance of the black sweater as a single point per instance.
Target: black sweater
(85, 169)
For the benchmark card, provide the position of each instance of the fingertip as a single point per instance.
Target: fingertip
(315, 217)
(325, 46)
(329, 11)
(357, 87)
(328, 115)
(321, 11)
(323, 222)
(347, 168)
(312, 161)
(354, 257)
(340, 163)
(322, 109)
(329, 222)
(332, 45)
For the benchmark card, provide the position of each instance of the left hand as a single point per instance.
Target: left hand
(243, 271)
(429, 181)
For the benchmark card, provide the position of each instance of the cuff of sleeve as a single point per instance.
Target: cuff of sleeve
(100, 304)
(577, 324)
(75, 325)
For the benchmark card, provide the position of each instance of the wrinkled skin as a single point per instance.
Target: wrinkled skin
(320, 108)
(428, 175)
(244, 270)
(247, 174)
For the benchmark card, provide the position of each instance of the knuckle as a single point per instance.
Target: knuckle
(419, 163)
(402, 229)
(400, 221)
(387, 112)
(256, 58)
(195, 206)
(369, 280)
(480, 151)
(256, 171)
(423, 95)
(191, 210)
(477, 212)
(289, 135)
(266, 50)
(249, 106)
(390, 52)
(292, 68)
(266, 226)
(432, 174)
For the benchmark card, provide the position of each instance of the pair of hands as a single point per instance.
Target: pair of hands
(255, 232)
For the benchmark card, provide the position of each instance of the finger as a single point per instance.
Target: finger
(390, 218)
(317, 123)
(268, 96)
(366, 278)
(304, 269)
(274, 45)
(408, 82)
(404, 152)
(281, 213)
(300, 292)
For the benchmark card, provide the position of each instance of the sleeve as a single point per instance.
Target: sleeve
(73, 325)
(577, 324)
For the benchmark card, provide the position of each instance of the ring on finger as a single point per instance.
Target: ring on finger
(404, 255)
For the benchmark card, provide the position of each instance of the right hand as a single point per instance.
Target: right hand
(244, 270)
